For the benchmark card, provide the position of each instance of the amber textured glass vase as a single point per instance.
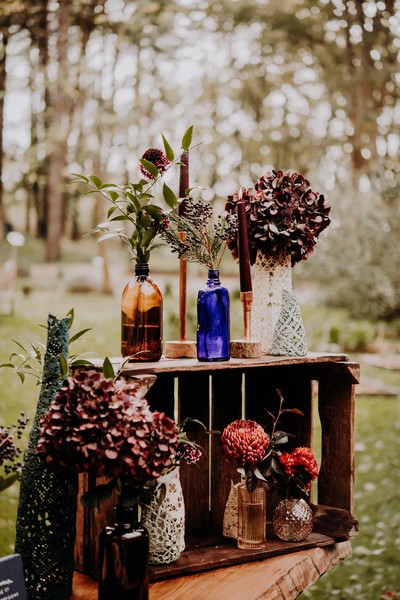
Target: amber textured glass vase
(141, 318)
(252, 517)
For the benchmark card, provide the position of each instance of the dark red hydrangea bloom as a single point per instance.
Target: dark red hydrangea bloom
(284, 215)
(158, 158)
(105, 426)
(244, 442)
(300, 464)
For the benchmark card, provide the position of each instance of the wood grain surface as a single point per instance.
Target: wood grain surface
(278, 578)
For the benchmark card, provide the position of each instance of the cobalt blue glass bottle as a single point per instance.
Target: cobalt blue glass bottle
(213, 320)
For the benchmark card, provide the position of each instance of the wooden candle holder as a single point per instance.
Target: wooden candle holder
(246, 348)
(180, 349)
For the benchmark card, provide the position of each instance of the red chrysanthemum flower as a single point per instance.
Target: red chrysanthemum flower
(158, 158)
(244, 442)
(300, 464)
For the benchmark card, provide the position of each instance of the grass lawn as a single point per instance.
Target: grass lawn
(374, 566)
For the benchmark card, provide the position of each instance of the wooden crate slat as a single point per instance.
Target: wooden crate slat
(297, 392)
(81, 525)
(191, 364)
(194, 402)
(226, 407)
(336, 411)
(226, 554)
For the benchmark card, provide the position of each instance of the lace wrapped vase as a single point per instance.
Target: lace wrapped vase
(165, 520)
(276, 318)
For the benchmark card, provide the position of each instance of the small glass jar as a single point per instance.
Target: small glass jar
(293, 520)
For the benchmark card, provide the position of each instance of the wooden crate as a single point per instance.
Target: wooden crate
(218, 393)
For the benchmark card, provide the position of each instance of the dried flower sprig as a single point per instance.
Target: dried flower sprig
(10, 453)
(205, 241)
(284, 215)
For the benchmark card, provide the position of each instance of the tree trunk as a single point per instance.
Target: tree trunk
(39, 33)
(58, 136)
(3, 56)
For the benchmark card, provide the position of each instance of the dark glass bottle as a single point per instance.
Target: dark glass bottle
(124, 558)
(213, 320)
(141, 317)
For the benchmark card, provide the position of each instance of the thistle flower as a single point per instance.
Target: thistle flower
(244, 442)
(133, 216)
(159, 160)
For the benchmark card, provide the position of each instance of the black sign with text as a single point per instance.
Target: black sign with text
(12, 582)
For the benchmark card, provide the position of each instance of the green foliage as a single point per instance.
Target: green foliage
(307, 96)
(29, 357)
(357, 265)
(132, 203)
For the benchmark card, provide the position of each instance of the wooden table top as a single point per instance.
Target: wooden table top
(278, 578)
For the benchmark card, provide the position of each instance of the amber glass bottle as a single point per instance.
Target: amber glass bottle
(124, 558)
(141, 317)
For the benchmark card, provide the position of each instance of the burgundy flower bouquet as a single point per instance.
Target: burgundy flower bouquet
(99, 425)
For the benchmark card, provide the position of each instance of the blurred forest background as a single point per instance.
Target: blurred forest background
(289, 84)
(311, 86)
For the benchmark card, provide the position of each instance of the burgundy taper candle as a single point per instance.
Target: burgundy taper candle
(183, 181)
(243, 249)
